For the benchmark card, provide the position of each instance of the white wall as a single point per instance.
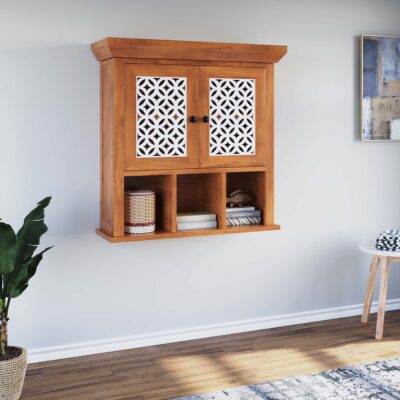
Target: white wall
(332, 191)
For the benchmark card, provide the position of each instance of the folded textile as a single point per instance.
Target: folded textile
(389, 240)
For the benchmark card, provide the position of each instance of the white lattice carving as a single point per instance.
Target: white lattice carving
(160, 117)
(232, 117)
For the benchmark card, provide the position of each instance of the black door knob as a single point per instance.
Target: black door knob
(192, 119)
(205, 119)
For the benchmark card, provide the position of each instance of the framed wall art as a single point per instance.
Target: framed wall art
(380, 88)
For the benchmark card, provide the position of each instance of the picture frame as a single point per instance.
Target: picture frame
(380, 88)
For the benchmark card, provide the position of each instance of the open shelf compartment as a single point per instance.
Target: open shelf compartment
(188, 191)
(253, 184)
(202, 192)
(164, 187)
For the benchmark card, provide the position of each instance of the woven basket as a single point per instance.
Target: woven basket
(140, 211)
(12, 376)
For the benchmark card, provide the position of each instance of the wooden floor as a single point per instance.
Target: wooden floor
(167, 371)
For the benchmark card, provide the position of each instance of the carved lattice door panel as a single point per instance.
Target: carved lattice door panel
(232, 123)
(159, 101)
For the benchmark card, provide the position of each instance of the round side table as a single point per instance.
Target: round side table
(384, 258)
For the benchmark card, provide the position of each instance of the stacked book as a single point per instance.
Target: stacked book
(195, 220)
(241, 216)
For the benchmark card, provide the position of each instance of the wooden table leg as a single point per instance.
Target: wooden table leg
(382, 298)
(370, 289)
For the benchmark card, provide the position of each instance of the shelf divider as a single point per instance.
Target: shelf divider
(172, 203)
(222, 214)
(214, 195)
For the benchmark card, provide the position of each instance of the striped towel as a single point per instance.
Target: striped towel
(243, 221)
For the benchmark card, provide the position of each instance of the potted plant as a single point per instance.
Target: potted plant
(18, 264)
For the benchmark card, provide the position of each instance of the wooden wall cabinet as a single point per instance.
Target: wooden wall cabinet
(191, 120)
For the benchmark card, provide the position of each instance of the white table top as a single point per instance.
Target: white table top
(369, 247)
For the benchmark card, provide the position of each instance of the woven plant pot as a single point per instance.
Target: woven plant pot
(12, 376)
(140, 211)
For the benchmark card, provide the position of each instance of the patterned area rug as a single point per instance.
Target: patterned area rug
(378, 380)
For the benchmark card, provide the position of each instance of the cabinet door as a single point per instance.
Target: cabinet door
(232, 116)
(159, 100)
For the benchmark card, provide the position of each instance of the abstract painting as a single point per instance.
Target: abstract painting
(380, 88)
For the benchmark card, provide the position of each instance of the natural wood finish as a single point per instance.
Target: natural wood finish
(131, 161)
(112, 181)
(385, 261)
(258, 74)
(185, 50)
(194, 171)
(106, 143)
(192, 192)
(252, 183)
(165, 189)
(214, 197)
(182, 192)
(259, 191)
(174, 198)
(193, 62)
(269, 216)
(162, 234)
(382, 297)
(222, 215)
(118, 148)
(122, 60)
(202, 192)
(370, 289)
(199, 366)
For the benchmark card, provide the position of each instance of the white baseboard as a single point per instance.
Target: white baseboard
(180, 335)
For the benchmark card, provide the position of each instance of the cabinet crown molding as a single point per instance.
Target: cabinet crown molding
(185, 50)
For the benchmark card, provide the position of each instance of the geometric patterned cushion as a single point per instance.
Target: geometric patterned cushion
(389, 240)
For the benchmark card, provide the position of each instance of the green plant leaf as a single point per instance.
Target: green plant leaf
(16, 282)
(8, 248)
(19, 290)
(28, 237)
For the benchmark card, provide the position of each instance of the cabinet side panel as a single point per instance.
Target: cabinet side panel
(269, 145)
(118, 147)
(107, 181)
